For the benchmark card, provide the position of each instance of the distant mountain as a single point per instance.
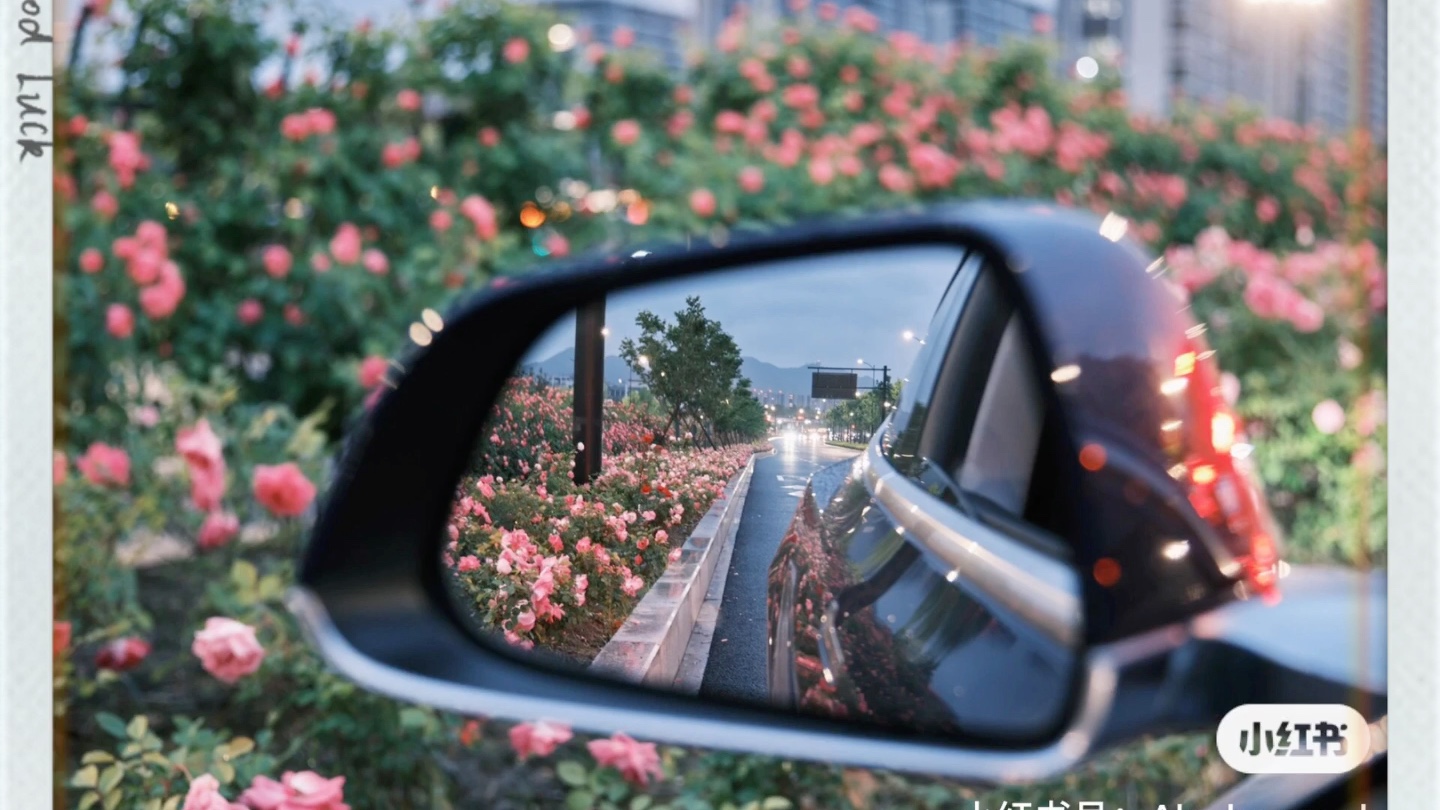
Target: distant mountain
(563, 365)
(763, 375)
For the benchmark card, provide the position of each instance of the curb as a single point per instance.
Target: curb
(650, 646)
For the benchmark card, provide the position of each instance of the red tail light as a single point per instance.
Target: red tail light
(1224, 489)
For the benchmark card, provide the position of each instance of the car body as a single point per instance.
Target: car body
(869, 620)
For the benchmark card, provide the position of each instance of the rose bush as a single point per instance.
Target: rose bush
(241, 255)
(546, 561)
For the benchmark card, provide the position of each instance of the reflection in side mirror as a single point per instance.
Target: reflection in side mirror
(675, 489)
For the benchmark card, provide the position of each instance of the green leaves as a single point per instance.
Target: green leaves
(112, 725)
(572, 773)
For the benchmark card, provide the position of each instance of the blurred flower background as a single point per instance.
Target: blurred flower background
(240, 258)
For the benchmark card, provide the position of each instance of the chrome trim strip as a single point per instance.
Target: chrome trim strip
(1039, 588)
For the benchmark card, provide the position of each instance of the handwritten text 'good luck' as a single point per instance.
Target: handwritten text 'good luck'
(34, 116)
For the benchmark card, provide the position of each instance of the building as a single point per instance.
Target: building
(984, 22)
(664, 27)
(1319, 62)
(992, 22)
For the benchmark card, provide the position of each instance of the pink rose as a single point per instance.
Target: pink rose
(730, 122)
(372, 371)
(119, 321)
(105, 204)
(895, 179)
(277, 260)
(320, 263)
(161, 300)
(440, 220)
(375, 262)
(92, 260)
(1267, 209)
(305, 790)
(321, 121)
(623, 37)
(125, 247)
(227, 649)
(822, 171)
(407, 100)
(295, 127)
(489, 137)
(1328, 416)
(218, 529)
(636, 761)
(393, 155)
(249, 311)
(517, 50)
(202, 451)
(204, 794)
(702, 202)
(104, 465)
(125, 157)
(861, 20)
(122, 654)
(1306, 315)
(345, 246)
(469, 563)
(1349, 354)
(480, 212)
(752, 179)
(525, 622)
(538, 739)
(283, 489)
(144, 264)
(631, 585)
(626, 132)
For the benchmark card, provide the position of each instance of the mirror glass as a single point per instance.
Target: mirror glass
(678, 487)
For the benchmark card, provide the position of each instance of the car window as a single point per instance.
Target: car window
(918, 386)
(988, 434)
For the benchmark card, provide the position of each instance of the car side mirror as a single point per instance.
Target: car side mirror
(652, 493)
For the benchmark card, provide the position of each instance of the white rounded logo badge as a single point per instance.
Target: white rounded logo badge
(1293, 738)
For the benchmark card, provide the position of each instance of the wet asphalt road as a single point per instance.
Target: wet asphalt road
(736, 667)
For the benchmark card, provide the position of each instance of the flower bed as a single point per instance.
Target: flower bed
(549, 562)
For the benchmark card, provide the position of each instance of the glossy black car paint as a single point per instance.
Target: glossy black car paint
(865, 623)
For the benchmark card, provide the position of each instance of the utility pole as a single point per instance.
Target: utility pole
(589, 396)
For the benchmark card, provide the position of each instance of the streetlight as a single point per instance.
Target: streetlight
(1306, 26)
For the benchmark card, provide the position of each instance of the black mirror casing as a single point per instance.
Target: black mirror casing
(373, 596)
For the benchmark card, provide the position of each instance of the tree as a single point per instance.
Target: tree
(743, 417)
(865, 412)
(690, 366)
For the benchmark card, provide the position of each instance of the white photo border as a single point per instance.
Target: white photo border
(26, 401)
(1413, 241)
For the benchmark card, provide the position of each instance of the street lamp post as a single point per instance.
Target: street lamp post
(884, 389)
